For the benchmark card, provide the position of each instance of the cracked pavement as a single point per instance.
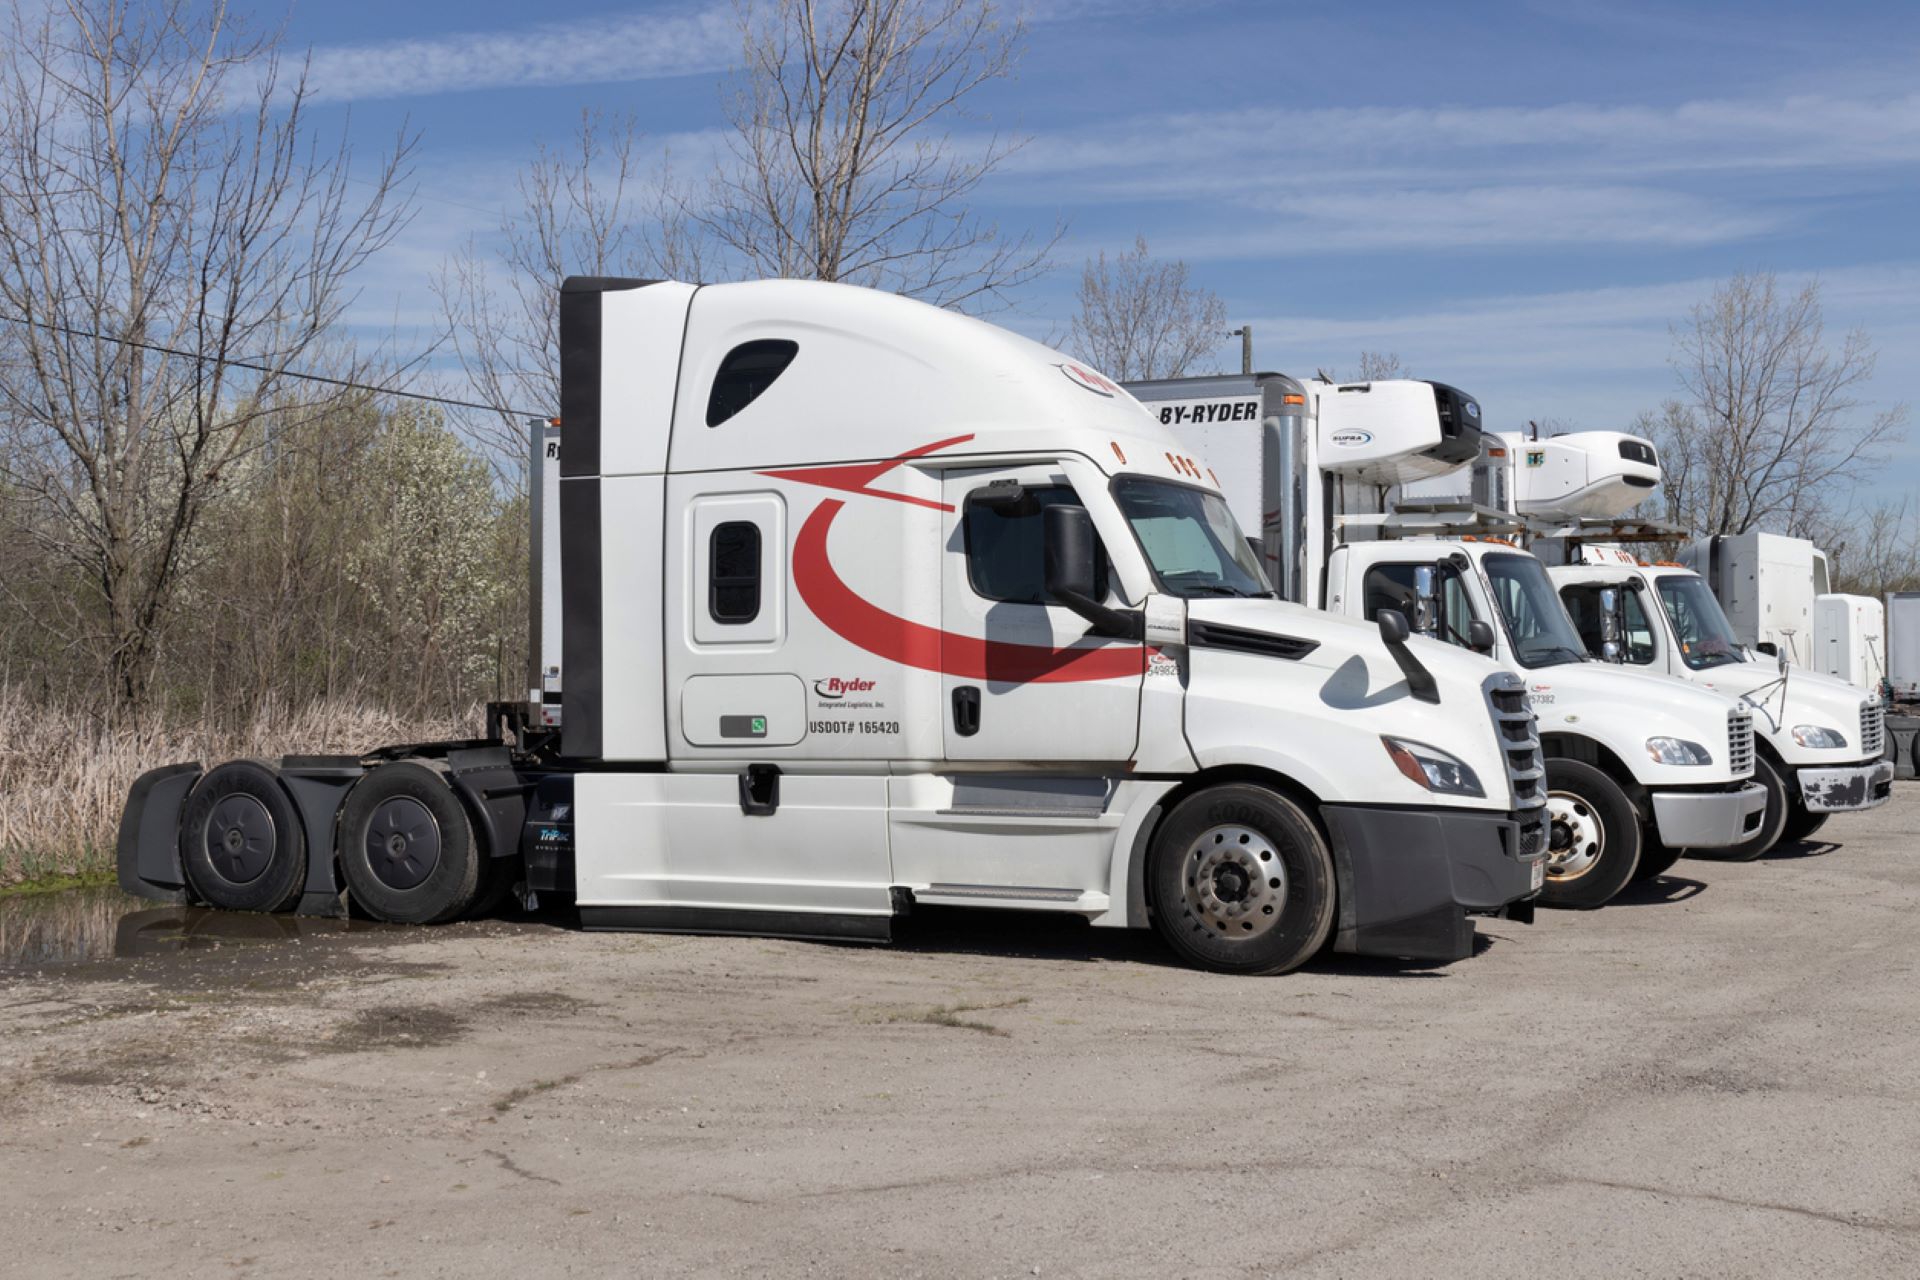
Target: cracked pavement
(1716, 1076)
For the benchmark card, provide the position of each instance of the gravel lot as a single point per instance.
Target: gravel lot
(1717, 1076)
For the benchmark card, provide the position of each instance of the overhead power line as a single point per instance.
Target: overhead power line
(262, 368)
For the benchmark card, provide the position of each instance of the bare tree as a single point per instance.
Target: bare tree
(1142, 319)
(159, 193)
(588, 209)
(842, 167)
(1769, 430)
(1378, 366)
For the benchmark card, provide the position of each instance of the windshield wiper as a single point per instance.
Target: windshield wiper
(1572, 655)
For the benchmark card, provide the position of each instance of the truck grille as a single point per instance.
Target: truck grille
(1740, 742)
(1519, 736)
(1873, 729)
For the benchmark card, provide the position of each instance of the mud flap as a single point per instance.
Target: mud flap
(1408, 878)
(147, 852)
(318, 785)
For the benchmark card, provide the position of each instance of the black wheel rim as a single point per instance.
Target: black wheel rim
(403, 843)
(240, 839)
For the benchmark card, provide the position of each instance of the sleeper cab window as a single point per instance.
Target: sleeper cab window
(748, 370)
(1006, 548)
(733, 572)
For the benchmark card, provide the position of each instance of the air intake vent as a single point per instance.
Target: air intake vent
(1214, 635)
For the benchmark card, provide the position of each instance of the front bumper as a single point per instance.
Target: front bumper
(1847, 789)
(1408, 878)
(1709, 819)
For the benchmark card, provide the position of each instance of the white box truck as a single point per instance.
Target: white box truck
(866, 604)
(1640, 769)
(1820, 742)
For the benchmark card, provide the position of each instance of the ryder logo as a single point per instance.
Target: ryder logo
(834, 687)
(1084, 377)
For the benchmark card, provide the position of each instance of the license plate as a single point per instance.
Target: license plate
(1540, 874)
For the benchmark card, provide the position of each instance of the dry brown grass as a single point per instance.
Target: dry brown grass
(64, 775)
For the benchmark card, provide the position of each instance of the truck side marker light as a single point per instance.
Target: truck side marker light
(859, 621)
(1117, 453)
(1292, 399)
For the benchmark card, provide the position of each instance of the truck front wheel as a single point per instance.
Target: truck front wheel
(1802, 822)
(1242, 881)
(1772, 823)
(1593, 836)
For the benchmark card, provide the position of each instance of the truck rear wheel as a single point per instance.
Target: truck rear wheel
(1802, 823)
(406, 846)
(1593, 836)
(1773, 823)
(241, 843)
(1242, 881)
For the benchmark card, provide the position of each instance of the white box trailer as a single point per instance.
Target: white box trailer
(866, 604)
(1903, 644)
(1850, 640)
(1767, 583)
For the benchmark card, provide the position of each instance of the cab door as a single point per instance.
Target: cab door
(1023, 681)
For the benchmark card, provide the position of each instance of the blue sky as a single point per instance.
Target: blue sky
(1519, 198)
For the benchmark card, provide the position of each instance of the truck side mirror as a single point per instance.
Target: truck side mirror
(1394, 632)
(1480, 636)
(1426, 602)
(1611, 628)
(1071, 549)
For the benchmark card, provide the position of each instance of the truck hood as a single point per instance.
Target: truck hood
(1810, 697)
(1606, 680)
(1339, 637)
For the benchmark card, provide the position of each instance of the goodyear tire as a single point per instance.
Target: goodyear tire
(1773, 823)
(242, 846)
(1593, 836)
(1802, 823)
(1242, 881)
(406, 846)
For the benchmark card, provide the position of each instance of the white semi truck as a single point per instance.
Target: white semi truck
(1820, 742)
(865, 604)
(1640, 769)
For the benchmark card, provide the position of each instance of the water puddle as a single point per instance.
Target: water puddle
(78, 926)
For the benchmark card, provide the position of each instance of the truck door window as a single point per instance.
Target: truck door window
(1006, 553)
(733, 572)
(1583, 606)
(748, 370)
(1390, 586)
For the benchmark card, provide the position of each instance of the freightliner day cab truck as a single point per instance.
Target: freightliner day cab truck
(1640, 768)
(866, 604)
(1820, 741)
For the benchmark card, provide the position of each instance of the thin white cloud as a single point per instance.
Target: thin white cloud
(1592, 356)
(613, 47)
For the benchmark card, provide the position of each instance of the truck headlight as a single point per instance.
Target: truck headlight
(1677, 751)
(1433, 768)
(1812, 735)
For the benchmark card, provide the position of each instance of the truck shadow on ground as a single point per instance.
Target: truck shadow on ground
(1040, 935)
(1658, 892)
(1795, 850)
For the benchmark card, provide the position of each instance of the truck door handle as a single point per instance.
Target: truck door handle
(966, 710)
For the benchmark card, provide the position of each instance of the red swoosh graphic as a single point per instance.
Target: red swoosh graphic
(854, 618)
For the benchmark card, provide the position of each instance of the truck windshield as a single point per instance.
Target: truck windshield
(1190, 539)
(1536, 622)
(1706, 637)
